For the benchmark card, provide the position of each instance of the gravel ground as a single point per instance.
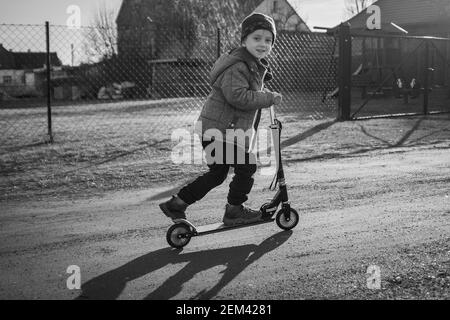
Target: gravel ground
(370, 193)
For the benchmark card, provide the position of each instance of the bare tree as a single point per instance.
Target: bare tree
(182, 25)
(353, 7)
(190, 20)
(101, 37)
(214, 13)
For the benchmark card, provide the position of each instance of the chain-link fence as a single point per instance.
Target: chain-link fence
(115, 97)
(395, 75)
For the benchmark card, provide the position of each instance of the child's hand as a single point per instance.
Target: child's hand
(277, 98)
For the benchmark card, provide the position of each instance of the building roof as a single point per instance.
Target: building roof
(34, 60)
(6, 59)
(130, 10)
(283, 17)
(26, 60)
(406, 13)
(294, 4)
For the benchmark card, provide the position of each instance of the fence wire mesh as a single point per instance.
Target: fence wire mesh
(117, 96)
(400, 75)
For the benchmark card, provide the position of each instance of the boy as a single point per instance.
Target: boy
(237, 80)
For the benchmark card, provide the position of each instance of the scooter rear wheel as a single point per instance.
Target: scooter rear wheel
(178, 235)
(287, 222)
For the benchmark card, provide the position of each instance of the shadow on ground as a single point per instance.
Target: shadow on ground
(403, 141)
(111, 284)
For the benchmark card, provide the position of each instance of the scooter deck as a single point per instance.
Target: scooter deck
(218, 227)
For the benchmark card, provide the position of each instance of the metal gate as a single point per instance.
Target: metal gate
(385, 76)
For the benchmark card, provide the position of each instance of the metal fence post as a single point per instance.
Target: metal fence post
(426, 76)
(49, 106)
(344, 73)
(219, 44)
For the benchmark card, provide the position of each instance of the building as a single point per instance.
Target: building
(21, 73)
(418, 17)
(383, 56)
(165, 40)
(160, 30)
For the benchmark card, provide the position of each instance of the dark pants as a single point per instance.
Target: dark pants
(240, 186)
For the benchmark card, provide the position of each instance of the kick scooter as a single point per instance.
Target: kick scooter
(180, 234)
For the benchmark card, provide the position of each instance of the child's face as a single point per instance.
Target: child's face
(259, 43)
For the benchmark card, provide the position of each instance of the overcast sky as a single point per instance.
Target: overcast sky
(325, 13)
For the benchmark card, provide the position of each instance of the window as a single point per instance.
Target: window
(7, 79)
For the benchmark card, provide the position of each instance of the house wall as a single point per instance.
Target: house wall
(22, 83)
(17, 77)
(170, 80)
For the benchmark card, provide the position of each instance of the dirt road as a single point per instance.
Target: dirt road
(388, 208)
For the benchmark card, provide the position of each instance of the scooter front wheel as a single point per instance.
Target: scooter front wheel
(287, 221)
(178, 235)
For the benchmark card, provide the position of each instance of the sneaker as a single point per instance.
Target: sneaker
(235, 215)
(174, 208)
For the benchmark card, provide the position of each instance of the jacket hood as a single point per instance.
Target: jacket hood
(234, 56)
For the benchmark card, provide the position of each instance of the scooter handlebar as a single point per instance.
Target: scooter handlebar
(273, 116)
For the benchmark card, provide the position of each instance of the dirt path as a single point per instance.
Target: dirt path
(384, 207)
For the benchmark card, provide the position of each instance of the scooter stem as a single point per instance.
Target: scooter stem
(273, 116)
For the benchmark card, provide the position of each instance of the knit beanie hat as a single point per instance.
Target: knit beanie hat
(257, 21)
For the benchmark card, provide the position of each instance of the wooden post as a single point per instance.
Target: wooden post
(219, 44)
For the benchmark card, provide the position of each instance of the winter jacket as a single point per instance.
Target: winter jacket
(237, 93)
